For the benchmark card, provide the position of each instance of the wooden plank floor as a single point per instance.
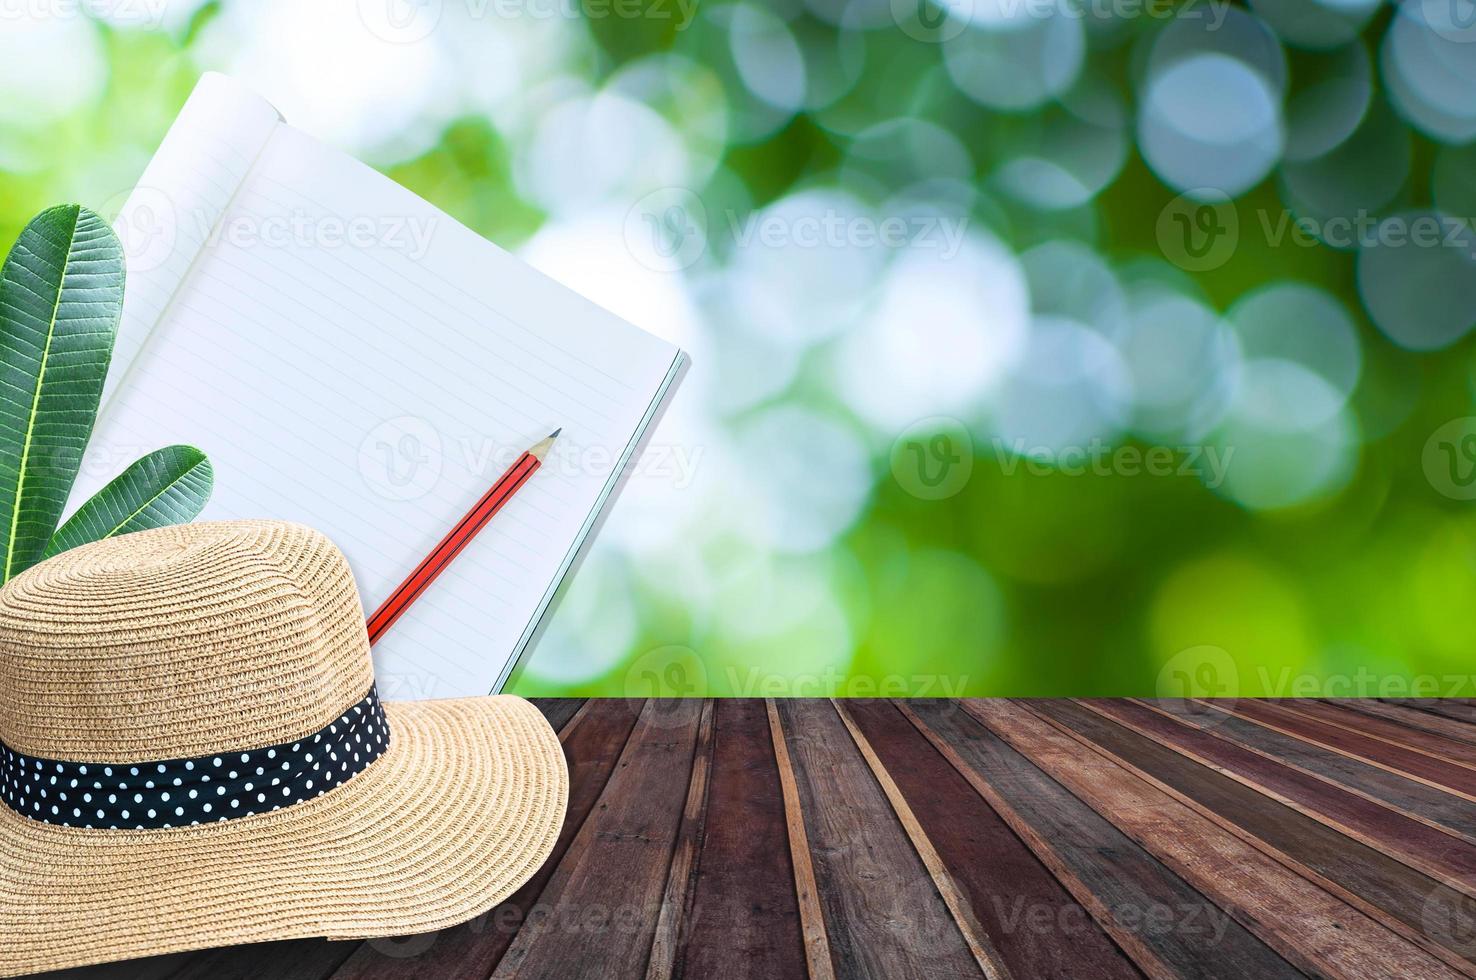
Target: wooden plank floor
(891, 839)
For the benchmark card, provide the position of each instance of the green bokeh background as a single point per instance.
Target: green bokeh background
(1028, 580)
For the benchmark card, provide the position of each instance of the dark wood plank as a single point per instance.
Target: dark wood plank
(1168, 927)
(1342, 716)
(558, 711)
(1438, 854)
(980, 947)
(676, 902)
(818, 960)
(1453, 708)
(902, 929)
(472, 950)
(744, 923)
(1038, 928)
(1297, 917)
(605, 896)
(1419, 801)
(1411, 719)
(145, 968)
(290, 960)
(1362, 876)
(1441, 773)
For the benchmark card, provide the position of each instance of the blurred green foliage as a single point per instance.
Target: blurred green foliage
(1337, 555)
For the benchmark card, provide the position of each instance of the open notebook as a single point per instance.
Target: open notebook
(351, 358)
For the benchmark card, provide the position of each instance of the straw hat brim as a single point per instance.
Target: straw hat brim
(463, 807)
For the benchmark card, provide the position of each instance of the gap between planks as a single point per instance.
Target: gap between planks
(1128, 941)
(1427, 866)
(812, 918)
(1357, 788)
(988, 958)
(1240, 904)
(676, 903)
(1288, 722)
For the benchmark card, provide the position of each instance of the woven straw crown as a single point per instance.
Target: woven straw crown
(180, 642)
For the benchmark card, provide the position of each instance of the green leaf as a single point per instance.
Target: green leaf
(61, 293)
(168, 486)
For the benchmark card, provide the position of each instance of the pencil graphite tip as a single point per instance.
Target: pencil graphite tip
(555, 433)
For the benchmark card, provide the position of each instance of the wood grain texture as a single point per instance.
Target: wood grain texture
(819, 961)
(676, 903)
(1374, 726)
(1412, 719)
(1416, 799)
(1437, 854)
(473, 949)
(1440, 772)
(980, 947)
(1458, 709)
(1038, 928)
(883, 915)
(750, 840)
(744, 922)
(1298, 877)
(1298, 918)
(604, 897)
(561, 713)
(1168, 928)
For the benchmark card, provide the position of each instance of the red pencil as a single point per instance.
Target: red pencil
(459, 536)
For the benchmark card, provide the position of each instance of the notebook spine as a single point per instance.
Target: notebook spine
(175, 211)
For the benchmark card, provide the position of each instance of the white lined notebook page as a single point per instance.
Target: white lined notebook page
(374, 387)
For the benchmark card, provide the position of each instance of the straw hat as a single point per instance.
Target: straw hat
(194, 755)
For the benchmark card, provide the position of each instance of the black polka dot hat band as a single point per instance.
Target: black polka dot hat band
(186, 792)
(194, 753)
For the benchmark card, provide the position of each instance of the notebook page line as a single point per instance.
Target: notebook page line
(456, 288)
(404, 389)
(301, 457)
(217, 112)
(302, 168)
(374, 311)
(479, 319)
